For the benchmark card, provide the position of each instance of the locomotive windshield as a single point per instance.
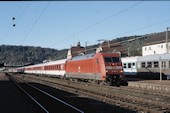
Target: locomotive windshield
(112, 59)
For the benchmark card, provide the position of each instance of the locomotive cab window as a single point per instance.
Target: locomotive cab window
(112, 59)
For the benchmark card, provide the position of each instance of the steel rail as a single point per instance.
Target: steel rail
(137, 103)
(55, 98)
(41, 106)
(119, 99)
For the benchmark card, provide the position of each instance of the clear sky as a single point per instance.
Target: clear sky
(60, 24)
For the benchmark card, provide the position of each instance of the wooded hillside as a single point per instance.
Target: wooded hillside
(17, 55)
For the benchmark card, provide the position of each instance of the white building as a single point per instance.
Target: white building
(159, 48)
(156, 44)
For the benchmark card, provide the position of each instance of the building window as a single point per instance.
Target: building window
(161, 46)
(149, 48)
(145, 48)
(156, 64)
(143, 64)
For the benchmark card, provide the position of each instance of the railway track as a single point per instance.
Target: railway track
(126, 98)
(46, 102)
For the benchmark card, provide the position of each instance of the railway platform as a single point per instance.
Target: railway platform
(163, 85)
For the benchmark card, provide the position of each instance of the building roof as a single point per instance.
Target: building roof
(157, 38)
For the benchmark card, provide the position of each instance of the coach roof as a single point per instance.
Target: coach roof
(154, 57)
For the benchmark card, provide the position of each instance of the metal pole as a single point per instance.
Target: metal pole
(167, 40)
(108, 43)
(86, 46)
(160, 67)
(23, 64)
(128, 51)
(167, 48)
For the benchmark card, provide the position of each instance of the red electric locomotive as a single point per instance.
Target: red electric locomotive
(103, 67)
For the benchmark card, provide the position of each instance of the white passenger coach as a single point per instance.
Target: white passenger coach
(148, 66)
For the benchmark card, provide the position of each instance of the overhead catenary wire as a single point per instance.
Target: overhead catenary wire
(87, 28)
(99, 22)
(120, 42)
(141, 28)
(144, 27)
(36, 21)
(20, 16)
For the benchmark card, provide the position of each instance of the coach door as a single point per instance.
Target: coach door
(131, 68)
(133, 65)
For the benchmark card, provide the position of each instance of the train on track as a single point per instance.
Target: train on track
(147, 67)
(99, 67)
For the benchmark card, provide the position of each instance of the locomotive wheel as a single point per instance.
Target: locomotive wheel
(64, 77)
(124, 83)
(118, 84)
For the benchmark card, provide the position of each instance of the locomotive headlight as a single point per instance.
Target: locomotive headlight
(107, 71)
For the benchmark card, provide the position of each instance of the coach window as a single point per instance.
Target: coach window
(124, 65)
(133, 65)
(149, 64)
(161, 46)
(129, 65)
(163, 64)
(156, 64)
(143, 64)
